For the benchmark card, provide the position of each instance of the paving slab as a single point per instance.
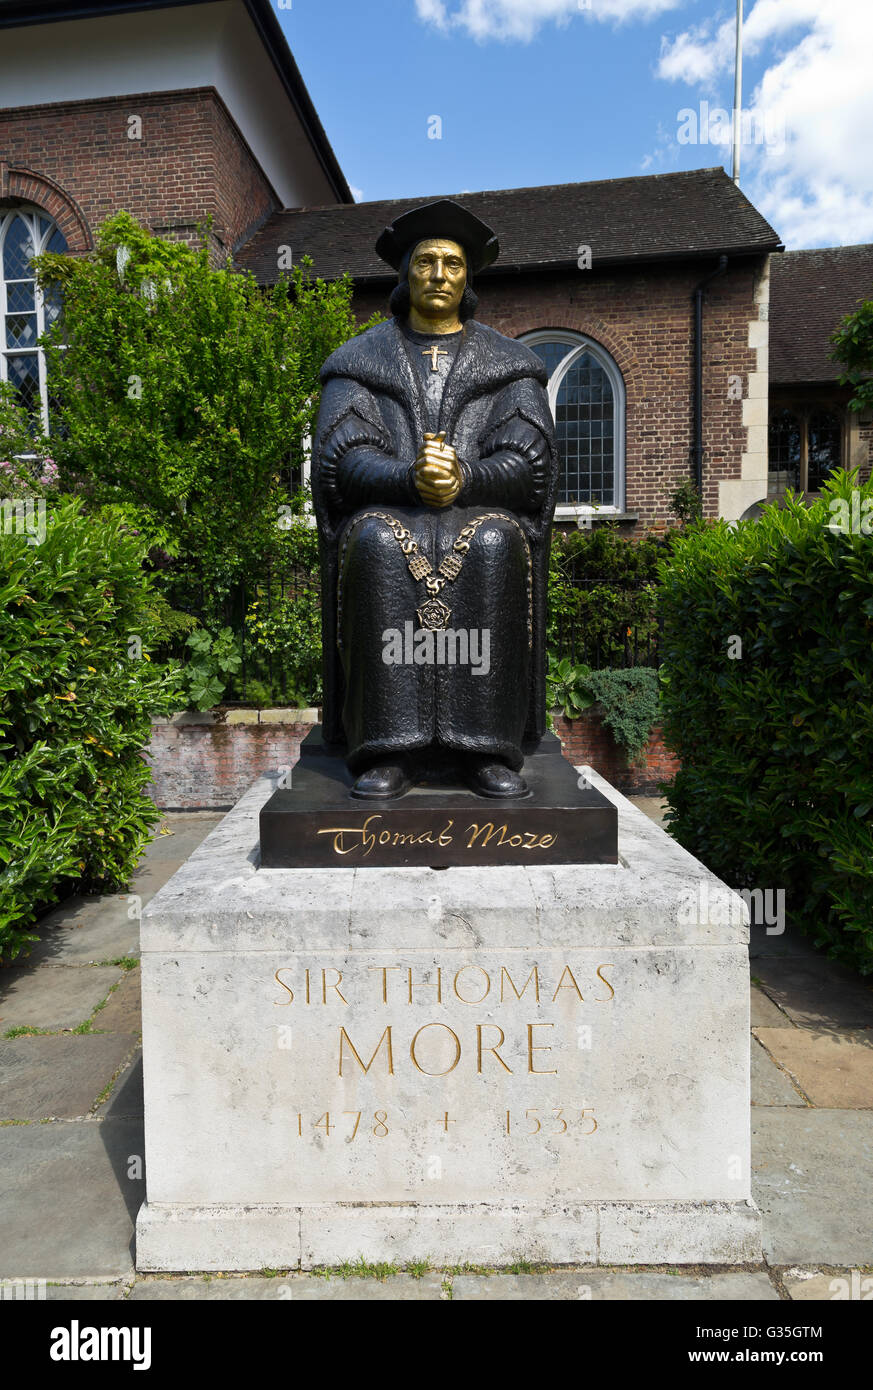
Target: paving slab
(122, 1012)
(298, 1288)
(834, 1069)
(764, 1013)
(840, 1285)
(770, 1086)
(67, 1204)
(655, 807)
(818, 992)
(53, 996)
(58, 1076)
(125, 1100)
(790, 942)
(188, 830)
(811, 1177)
(615, 1286)
(89, 930)
(84, 1293)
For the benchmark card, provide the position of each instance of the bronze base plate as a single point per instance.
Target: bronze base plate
(439, 824)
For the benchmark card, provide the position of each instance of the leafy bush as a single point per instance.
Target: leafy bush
(602, 594)
(214, 661)
(185, 392)
(77, 692)
(628, 699)
(775, 734)
(283, 621)
(26, 466)
(567, 687)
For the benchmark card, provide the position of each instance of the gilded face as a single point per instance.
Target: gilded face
(437, 278)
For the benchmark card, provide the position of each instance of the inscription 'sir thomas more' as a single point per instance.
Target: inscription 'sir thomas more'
(435, 1048)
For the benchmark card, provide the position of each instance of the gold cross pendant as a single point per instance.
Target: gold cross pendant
(434, 353)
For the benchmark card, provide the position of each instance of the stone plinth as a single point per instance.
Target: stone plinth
(473, 1064)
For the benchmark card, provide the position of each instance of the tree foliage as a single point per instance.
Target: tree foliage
(184, 393)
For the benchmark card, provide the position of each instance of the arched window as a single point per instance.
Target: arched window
(587, 397)
(25, 312)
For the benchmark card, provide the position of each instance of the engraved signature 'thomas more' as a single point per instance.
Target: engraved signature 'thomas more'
(347, 839)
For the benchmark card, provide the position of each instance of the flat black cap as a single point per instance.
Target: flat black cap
(443, 219)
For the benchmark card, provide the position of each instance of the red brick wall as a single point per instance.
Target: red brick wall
(643, 317)
(192, 161)
(202, 765)
(209, 766)
(588, 741)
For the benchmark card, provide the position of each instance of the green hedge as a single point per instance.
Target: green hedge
(776, 737)
(77, 690)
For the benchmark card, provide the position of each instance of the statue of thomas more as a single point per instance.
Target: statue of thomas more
(434, 475)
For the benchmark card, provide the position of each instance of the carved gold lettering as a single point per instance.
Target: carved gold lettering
(420, 984)
(493, 1048)
(481, 996)
(415, 1061)
(386, 1037)
(283, 1002)
(336, 985)
(384, 969)
(611, 964)
(360, 836)
(531, 1049)
(526, 839)
(572, 985)
(533, 974)
(487, 830)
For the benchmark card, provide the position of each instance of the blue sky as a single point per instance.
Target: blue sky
(555, 91)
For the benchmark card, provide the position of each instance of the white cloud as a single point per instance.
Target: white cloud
(522, 19)
(357, 193)
(816, 185)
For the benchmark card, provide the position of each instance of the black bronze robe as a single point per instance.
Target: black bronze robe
(372, 419)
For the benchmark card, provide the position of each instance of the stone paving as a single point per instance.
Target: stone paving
(71, 1142)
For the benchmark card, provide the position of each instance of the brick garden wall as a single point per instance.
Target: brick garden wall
(198, 764)
(643, 317)
(589, 741)
(192, 161)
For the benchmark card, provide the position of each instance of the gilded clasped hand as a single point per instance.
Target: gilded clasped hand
(437, 471)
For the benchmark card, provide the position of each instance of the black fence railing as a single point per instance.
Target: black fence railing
(606, 623)
(275, 623)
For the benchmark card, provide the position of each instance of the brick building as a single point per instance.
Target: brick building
(812, 429)
(649, 298)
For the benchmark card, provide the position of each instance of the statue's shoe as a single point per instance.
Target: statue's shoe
(379, 783)
(494, 779)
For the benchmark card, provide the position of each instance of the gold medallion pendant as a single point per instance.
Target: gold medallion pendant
(434, 614)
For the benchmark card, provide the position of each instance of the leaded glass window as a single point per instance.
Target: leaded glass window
(784, 450)
(824, 445)
(586, 393)
(25, 312)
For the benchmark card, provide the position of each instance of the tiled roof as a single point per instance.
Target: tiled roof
(700, 213)
(810, 291)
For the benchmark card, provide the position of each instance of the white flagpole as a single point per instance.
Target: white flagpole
(738, 91)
